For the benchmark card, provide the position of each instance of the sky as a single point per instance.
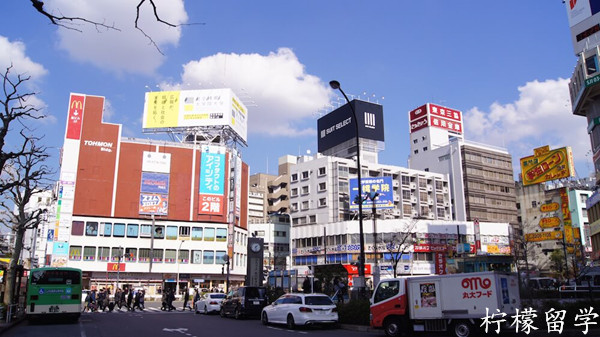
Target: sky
(504, 64)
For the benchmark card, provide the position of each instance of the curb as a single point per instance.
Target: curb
(360, 328)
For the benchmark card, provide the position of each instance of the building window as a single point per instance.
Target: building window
(103, 254)
(322, 187)
(405, 180)
(130, 254)
(322, 202)
(89, 253)
(305, 175)
(196, 256)
(184, 231)
(208, 257)
(145, 231)
(406, 195)
(119, 230)
(294, 207)
(171, 232)
(312, 219)
(115, 253)
(91, 228)
(196, 233)
(294, 192)
(157, 255)
(322, 171)
(416, 151)
(305, 205)
(77, 228)
(591, 65)
(170, 255)
(159, 232)
(424, 148)
(105, 229)
(221, 234)
(221, 256)
(534, 204)
(294, 177)
(75, 253)
(184, 256)
(305, 190)
(209, 234)
(132, 230)
(144, 255)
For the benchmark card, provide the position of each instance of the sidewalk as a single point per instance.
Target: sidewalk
(6, 326)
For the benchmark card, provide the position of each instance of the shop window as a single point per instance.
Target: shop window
(184, 256)
(170, 255)
(89, 253)
(196, 256)
(208, 257)
(171, 232)
(91, 228)
(209, 234)
(196, 233)
(221, 234)
(130, 254)
(132, 230)
(119, 230)
(77, 228)
(75, 253)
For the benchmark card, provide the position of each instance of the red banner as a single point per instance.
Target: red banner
(353, 270)
(210, 204)
(75, 117)
(111, 266)
(440, 263)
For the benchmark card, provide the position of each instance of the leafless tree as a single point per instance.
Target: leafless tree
(30, 173)
(398, 243)
(16, 110)
(71, 22)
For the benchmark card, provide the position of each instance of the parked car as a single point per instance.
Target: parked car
(210, 302)
(301, 309)
(542, 283)
(244, 302)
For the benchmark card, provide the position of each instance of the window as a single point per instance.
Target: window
(305, 175)
(221, 234)
(130, 254)
(132, 230)
(424, 148)
(294, 177)
(221, 256)
(144, 255)
(416, 151)
(209, 234)
(115, 253)
(591, 65)
(294, 207)
(322, 187)
(159, 232)
(208, 257)
(405, 194)
(405, 180)
(89, 253)
(77, 228)
(75, 253)
(171, 232)
(157, 255)
(305, 190)
(105, 228)
(184, 231)
(386, 289)
(196, 233)
(184, 256)
(119, 230)
(294, 192)
(196, 256)
(415, 141)
(534, 204)
(91, 228)
(322, 202)
(170, 255)
(145, 231)
(305, 205)
(103, 254)
(312, 219)
(322, 171)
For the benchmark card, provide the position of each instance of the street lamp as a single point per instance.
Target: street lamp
(373, 196)
(177, 257)
(335, 85)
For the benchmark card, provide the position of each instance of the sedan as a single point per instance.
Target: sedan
(208, 303)
(301, 309)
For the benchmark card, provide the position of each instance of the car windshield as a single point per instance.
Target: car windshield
(546, 283)
(255, 292)
(318, 300)
(217, 296)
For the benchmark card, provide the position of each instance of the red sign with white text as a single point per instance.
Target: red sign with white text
(115, 266)
(353, 270)
(444, 112)
(417, 113)
(443, 123)
(419, 124)
(75, 117)
(210, 204)
(440, 263)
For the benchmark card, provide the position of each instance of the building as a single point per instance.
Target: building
(480, 176)
(139, 212)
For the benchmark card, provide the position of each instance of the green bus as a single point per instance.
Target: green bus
(53, 291)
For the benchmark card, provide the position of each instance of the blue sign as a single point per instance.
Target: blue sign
(155, 183)
(379, 188)
(51, 235)
(212, 173)
(60, 248)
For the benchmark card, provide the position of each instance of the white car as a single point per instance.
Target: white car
(301, 309)
(210, 302)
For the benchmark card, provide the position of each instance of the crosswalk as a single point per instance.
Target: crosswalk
(146, 310)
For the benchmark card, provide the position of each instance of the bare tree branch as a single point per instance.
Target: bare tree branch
(58, 20)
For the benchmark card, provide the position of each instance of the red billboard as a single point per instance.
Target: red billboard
(417, 113)
(75, 116)
(419, 124)
(444, 112)
(111, 266)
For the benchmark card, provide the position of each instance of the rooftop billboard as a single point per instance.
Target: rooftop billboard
(433, 115)
(546, 165)
(164, 110)
(338, 126)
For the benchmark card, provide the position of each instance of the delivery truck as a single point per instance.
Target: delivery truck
(455, 303)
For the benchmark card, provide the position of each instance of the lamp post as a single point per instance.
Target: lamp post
(373, 196)
(119, 265)
(177, 257)
(361, 259)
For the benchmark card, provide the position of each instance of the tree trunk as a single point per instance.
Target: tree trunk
(12, 267)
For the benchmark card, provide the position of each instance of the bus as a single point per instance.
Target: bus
(53, 291)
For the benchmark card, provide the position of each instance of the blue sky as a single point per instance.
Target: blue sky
(504, 64)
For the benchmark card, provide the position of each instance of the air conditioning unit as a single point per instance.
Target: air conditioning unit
(413, 200)
(395, 183)
(413, 186)
(396, 212)
(446, 203)
(396, 197)
(430, 216)
(429, 188)
(430, 201)
(415, 214)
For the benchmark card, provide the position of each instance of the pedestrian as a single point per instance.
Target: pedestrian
(142, 295)
(129, 299)
(118, 298)
(164, 300)
(306, 288)
(136, 301)
(196, 297)
(170, 299)
(186, 299)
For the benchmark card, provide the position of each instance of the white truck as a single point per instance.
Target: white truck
(454, 302)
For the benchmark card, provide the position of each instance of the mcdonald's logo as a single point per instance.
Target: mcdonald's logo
(75, 117)
(111, 266)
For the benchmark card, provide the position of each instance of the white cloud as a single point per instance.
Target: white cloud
(124, 51)
(277, 90)
(541, 116)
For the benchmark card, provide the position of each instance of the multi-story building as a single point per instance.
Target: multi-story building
(480, 176)
(148, 213)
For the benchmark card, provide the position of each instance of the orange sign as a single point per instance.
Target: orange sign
(115, 266)
(549, 207)
(549, 222)
(547, 166)
(543, 236)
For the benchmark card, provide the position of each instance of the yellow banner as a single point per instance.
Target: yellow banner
(549, 222)
(547, 166)
(163, 109)
(543, 236)
(551, 207)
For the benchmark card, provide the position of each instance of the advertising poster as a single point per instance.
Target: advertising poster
(212, 181)
(380, 185)
(157, 204)
(428, 295)
(157, 183)
(547, 165)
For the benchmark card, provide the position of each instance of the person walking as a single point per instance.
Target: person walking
(136, 301)
(142, 295)
(129, 299)
(186, 299)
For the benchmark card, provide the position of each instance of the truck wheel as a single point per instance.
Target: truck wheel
(392, 327)
(462, 329)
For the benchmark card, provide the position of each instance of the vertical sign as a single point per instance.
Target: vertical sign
(440, 263)
(477, 236)
(212, 180)
(75, 117)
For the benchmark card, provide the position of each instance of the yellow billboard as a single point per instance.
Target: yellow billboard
(543, 236)
(546, 165)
